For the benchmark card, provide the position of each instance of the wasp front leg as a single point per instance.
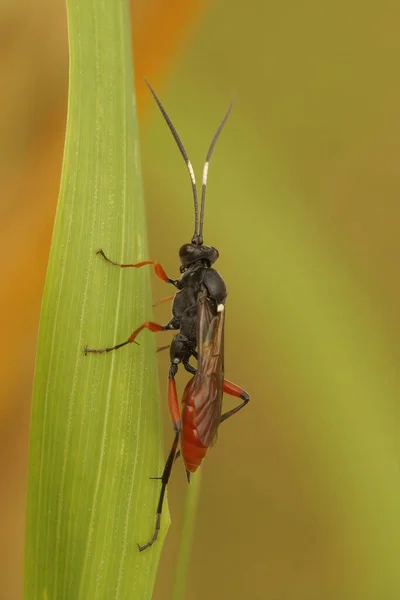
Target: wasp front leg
(159, 271)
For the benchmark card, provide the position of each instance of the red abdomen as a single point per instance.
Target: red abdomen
(192, 449)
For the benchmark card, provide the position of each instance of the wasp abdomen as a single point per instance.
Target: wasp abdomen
(192, 449)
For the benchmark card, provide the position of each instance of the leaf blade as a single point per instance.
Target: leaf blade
(95, 436)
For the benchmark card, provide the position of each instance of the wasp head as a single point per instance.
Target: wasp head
(192, 253)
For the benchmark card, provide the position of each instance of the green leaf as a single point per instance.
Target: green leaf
(96, 431)
(186, 536)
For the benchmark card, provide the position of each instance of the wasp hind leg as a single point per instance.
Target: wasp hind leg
(173, 403)
(234, 390)
(165, 479)
(229, 388)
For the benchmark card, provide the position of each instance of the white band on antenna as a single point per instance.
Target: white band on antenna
(205, 173)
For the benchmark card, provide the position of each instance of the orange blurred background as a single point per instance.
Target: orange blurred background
(299, 497)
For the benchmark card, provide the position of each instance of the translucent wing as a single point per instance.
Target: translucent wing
(208, 383)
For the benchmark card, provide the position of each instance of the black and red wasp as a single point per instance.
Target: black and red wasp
(198, 313)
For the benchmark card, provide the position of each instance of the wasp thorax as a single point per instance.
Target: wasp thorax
(191, 253)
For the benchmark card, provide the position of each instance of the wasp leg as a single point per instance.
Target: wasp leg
(173, 402)
(229, 388)
(164, 478)
(177, 455)
(189, 368)
(168, 299)
(161, 348)
(173, 455)
(234, 390)
(159, 271)
(147, 325)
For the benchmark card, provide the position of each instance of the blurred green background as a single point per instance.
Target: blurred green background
(300, 497)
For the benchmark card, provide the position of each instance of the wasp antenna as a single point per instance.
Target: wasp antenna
(206, 164)
(185, 158)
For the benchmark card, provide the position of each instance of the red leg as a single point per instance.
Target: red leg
(229, 388)
(148, 325)
(234, 390)
(159, 271)
(168, 299)
(173, 404)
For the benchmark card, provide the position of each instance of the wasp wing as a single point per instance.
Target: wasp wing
(208, 383)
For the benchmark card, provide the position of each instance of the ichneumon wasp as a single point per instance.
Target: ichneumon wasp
(198, 313)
